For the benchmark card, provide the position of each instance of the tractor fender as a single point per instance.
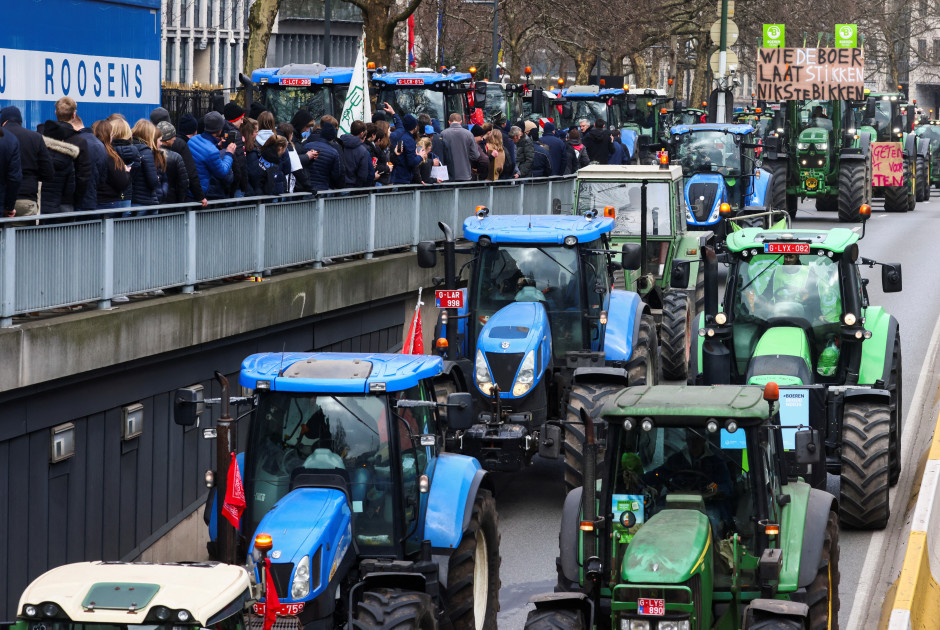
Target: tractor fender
(211, 515)
(775, 610)
(569, 534)
(457, 370)
(450, 499)
(818, 507)
(877, 352)
(868, 393)
(861, 153)
(623, 325)
(616, 376)
(566, 601)
(761, 186)
(910, 145)
(923, 147)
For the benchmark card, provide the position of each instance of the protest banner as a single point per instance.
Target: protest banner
(785, 74)
(887, 161)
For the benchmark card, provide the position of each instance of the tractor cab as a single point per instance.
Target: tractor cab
(501, 98)
(436, 94)
(319, 89)
(645, 111)
(612, 105)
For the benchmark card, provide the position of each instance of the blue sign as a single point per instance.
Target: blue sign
(794, 410)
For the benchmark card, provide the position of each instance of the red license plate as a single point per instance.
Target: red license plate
(295, 81)
(786, 248)
(449, 299)
(647, 606)
(284, 610)
(410, 82)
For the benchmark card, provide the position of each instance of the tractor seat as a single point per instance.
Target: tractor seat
(769, 364)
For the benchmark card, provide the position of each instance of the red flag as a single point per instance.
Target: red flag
(414, 343)
(411, 40)
(234, 494)
(271, 602)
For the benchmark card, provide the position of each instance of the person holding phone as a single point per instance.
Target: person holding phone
(405, 157)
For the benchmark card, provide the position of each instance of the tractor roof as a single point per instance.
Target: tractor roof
(581, 92)
(682, 405)
(551, 228)
(835, 240)
(630, 172)
(338, 372)
(420, 78)
(125, 592)
(740, 129)
(302, 74)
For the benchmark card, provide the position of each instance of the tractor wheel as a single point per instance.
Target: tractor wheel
(865, 447)
(592, 399)
(555, 619)
(896, 197)
(894, 450)
(394, 609)
(645, 370)
(854, 190)
(921, 185)
(822, 595)
(827, 204)
(777, 195)
(676, 339)
(473, 575)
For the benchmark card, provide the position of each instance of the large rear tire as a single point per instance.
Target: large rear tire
(894, 453)
(779, 200)
(854, 189)
(394, 609)
(921, 183)
(676, 338)
(822, 595)
(592, 398)
(555, 619)
(897, 197)
(473, 581)
(865, 454)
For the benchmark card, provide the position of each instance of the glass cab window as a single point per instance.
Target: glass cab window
(415, 101)
(709, 152)
(583, 109)
(284, 102)
(625, 198)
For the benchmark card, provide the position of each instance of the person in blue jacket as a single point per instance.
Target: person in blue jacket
(213, 164)
(358, 161)
(556, 148)
(618, 154)
(404, 151)
(325, 171)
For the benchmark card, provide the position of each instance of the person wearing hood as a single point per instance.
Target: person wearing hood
(255, 110)
(326, 171)
(35, 159)
(576, 156)
(618, 153)
(271, 179)
(66, 111)
(11, 172)
(356, 157)
(556, 149)
(597, 143)
(404, 151)
(58, 193)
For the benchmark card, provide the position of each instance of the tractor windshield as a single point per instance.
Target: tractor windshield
(709, 152)
(284, 101)
(885, 110)
(422, 100)
(817, 114)
(583, 109)
(496, 102)
(642, 117)
(346, 435)
(625, 199)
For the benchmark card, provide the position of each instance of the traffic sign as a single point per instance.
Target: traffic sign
(732, 33)
(731, 62)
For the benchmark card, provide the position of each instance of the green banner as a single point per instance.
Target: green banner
(846, 36)
(773, 35)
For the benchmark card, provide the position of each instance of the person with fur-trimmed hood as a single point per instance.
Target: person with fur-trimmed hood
(58, 193)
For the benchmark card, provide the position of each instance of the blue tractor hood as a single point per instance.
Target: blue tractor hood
(712, 187)
(508, 336)
(315, 523)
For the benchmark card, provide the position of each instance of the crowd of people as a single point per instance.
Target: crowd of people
(66, 166)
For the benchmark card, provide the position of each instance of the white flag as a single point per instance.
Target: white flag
(356, 106)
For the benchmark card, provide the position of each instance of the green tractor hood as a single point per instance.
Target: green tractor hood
(668, 549)
(814, 135)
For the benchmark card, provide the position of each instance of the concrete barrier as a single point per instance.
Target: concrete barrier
(916, 601)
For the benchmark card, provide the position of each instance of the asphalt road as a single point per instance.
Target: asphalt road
(530, 502)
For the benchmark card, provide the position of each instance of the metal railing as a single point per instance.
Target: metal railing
(81, 257)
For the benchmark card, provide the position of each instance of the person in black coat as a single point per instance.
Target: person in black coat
(35, 159)
(557, 149)
(231, 131)
(597, 143)
(356, 157)
(66, 110)
(58, 194)
(117, 178)
(11, 172)
(379, 154)
(326, 169)
(541, 161)
(270, 178)
(178, 145)
(177, 177)
(125, 148)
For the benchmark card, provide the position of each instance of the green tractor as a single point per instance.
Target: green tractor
(821, 154)
(796, 312)
(892, 120)
(697, 522)
(662, 257)
(930, 131)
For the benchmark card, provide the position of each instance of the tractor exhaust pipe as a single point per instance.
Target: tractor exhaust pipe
(450, 283)
(590, 521)
(711, 282)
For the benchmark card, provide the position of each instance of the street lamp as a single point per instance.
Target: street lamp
(494, 71)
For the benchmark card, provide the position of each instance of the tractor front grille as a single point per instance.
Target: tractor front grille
(504, 367)
(701, 208)
(280, 573)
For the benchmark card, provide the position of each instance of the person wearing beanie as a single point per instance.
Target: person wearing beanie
(556, 148)
(531, 129)
(576, 155)
(233, 113)
(404, 153)
(255, 110)
(234, 116)
(34, 158)
(378, 115)
(176, 175)
(159, 115)
(187, 126)
(214, 166)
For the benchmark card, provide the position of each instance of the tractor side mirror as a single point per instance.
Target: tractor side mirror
(427, 254)
(459, 411)
(870, 108)
(550, 441)
(678, 107)
(891, 277)
(679, 275)
(630, 256)
(188, 405)
(479, 94)
(538, 100)
(807, 447)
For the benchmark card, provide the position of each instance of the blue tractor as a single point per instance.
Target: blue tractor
(363, 518)
(720, 167)
(314, 87)
(540, 333)
(437, 94)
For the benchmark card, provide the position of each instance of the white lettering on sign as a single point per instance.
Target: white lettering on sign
(33, 75)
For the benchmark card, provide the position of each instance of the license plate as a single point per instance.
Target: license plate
(295, 81)
(648, 606)
(786, 248)
(449, 299)
(284, 610)
(410, 82)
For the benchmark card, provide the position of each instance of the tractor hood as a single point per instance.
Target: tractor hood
(704, 193)
(668, 549)
(814, 135)
(311, 523)
(508, 337)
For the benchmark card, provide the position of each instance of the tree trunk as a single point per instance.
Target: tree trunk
(584, 63)
(260, 22)
(379, 36)
(640, 70)
(699, 89)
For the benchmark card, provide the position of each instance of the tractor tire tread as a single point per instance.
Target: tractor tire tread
(554, 619)
(864, 479)
(394, 609)
(854, 190)
(460, 574)
(676, 329)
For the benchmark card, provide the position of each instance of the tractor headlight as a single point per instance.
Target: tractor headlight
(634, 624)
(526, 375)
(482, 374)
(822, 146)
(802, 146)
(721, 319)
(849, 319)
(673, 625)
(300, 585)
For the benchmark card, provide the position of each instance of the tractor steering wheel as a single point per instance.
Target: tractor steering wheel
(678, 481)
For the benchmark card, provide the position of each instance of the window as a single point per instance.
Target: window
(936, 51)
(922, 49)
